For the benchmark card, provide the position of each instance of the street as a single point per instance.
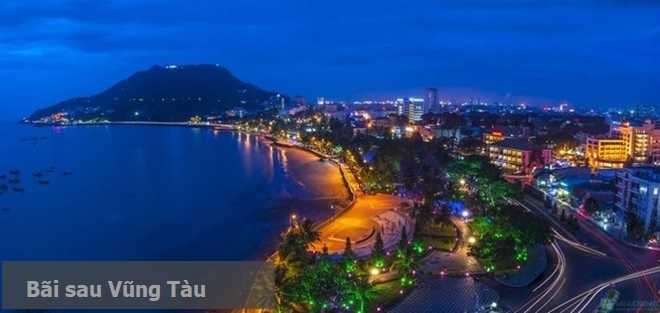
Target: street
(584, 271)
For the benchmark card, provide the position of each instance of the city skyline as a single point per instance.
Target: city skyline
(514, 50)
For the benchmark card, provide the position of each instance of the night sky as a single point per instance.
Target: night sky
(589, 53)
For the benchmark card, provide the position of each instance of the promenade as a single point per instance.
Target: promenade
(360, 220)
(368, 214)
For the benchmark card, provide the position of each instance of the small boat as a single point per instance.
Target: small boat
(51, 169)
(67, 173)
(19, 189)
(3, 176)
(4, 187)
(43, 182)
(38, 174)
(15, 172)
(14, 181)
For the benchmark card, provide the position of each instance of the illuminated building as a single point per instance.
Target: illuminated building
(518, 156)
(606, 152)
(500, 133)
(569, 156)
(638, 192)
(59, 117)
(642, 143)
(415, 109)
(400, 105)
(195, 120)
(493, 137)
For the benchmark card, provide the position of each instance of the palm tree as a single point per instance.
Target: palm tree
(361, 293)
(308, 232)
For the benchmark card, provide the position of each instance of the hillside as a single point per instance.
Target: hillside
(172, 93)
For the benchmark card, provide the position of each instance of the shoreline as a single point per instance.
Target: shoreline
(352, 197)
(134, 123)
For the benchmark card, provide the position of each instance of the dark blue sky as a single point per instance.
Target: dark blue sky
(589, 53)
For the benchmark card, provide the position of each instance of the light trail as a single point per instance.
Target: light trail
(578, 245)
(555, 281)
(582, 301)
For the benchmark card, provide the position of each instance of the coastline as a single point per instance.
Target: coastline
(352, 198)
(135, 123)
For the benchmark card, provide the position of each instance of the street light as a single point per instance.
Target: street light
(374, 271)
(472, 240)
(465, 213)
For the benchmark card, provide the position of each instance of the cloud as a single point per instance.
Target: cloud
(563, 49)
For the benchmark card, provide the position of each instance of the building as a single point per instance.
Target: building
(415, 110)
(507, 132)
(605, 152)
(642, 143)
(638, 190)
(518, 156)
(492, 137)
(278, 102)
(400, 106)
(431, 100)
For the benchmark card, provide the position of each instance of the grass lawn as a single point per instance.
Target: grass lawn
(442, 244)
(442, 229)
(385, 294)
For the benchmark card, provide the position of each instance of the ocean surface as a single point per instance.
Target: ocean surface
(152, 193)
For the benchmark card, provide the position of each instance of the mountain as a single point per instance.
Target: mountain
(170, 93)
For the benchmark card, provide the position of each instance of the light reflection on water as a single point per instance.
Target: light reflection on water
(140, 193)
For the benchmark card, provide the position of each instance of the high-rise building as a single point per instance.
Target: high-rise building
(415, 109)
(638, 193)
(400, 105)
(430, 100)
(606, 152)
(642, 143)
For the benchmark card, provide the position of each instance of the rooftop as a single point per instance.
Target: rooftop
(650, 173)
(518, 144)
